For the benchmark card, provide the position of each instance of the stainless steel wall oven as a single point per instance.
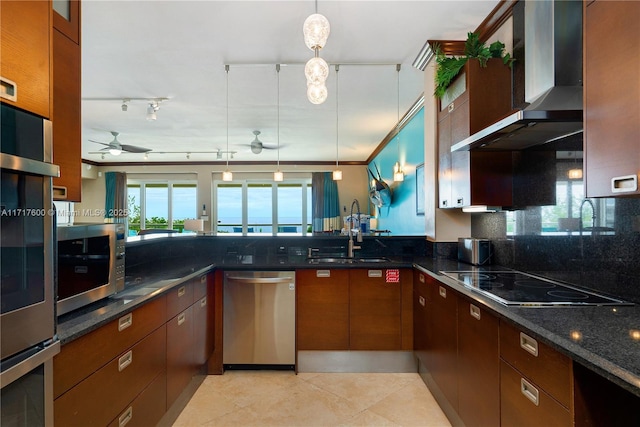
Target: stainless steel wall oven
(27, 319)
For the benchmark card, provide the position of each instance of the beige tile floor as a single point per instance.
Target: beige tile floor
(271, 398)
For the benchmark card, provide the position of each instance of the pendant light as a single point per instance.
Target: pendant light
(227, 175)
(398, 174)
(337, 173)
(316, 31)
(278, 176)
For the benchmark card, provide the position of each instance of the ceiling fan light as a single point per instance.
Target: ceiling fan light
(316, 71)
(337, 175)
(115, 151)
(278, 176)
(317, 94)
(227, 175)
(316, 31)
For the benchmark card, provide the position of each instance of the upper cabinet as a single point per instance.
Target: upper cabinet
(478, 97)
(67, 132)
(25, 65)
(611, 91)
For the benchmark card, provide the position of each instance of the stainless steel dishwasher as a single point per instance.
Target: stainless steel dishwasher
(259, 320)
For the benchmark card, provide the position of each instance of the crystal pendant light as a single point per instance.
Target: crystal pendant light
(316, 71)
(337, 173)
(316, 30)
(227, 175)
(317, 94)
(398, 174)
(278, 175)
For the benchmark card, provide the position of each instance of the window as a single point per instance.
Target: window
(262, 207)
(162, 205)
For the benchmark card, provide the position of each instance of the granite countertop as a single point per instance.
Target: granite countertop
(73, 325)
(605, 339)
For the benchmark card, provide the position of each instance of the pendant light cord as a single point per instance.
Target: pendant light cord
(337, 127)
(398, 123)
(226, 69)
(278, 87)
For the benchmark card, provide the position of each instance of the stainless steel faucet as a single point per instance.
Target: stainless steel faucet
(593, 216)
(351, 247)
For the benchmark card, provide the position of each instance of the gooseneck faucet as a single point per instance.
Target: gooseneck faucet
(351, 247)
(593, 216)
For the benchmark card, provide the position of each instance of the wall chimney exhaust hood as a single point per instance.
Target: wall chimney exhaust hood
(552, 81)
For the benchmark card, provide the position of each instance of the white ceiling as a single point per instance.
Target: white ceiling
(178, 49)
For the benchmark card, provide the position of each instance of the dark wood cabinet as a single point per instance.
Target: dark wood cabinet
(203, 320)
(611, 107)
(179, 354)
(25, 63)
(422, 327)
(474, 178)
(443, 352)
(478, 365)
(322, 309)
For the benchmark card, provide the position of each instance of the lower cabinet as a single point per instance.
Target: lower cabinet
(354, 309)
(478, 365)
(422, 326)
(131, 370)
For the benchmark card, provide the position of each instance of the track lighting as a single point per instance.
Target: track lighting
(188, 156)
(151, 111)
(124, 106)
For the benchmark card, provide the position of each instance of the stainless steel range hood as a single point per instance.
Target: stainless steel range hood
(552, 81)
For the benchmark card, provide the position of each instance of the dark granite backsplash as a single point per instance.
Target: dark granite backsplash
(601, 254)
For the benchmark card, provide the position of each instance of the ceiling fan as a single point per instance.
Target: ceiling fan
(257, 145)
(115, 147)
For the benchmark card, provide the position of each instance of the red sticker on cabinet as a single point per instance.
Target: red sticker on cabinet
(392, 276)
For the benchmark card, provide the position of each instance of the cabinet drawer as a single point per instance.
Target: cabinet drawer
(537, 361)
(101, 397)
(523, 403)
(444, 297)
(82, 357)
(179, 299)
(199, 287)
(148, 408)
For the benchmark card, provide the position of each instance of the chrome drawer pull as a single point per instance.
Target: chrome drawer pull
(529, 391)
(374, 273)
(451, 107)
(442, 291)
(421, 277)
(125, 360)
(624, 184)
(474, 311)
(8, 89)
(125, 321)
(125, 417)
(181, 318)
(203, 279)
(323, 273)
(529, 344)
(203, 302)
(421, 300)
(181, 291)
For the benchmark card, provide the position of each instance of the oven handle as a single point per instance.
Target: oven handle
(22, 164)
(22, 368)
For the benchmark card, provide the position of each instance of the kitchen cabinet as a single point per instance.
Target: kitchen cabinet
(611, 108)
(179, 354)
(66, 115)
(106, 393)
(535, 381)
(203, 319)
(422, 324)
(475, 99)
(25, 63)
(322, 309)
(146, 409)
(443, 351)
(478, 365)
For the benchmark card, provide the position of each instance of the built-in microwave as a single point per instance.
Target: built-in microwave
(91, 263)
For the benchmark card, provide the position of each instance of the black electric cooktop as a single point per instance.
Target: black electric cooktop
(522, 289)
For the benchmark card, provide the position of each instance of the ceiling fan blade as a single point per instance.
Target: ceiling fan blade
(134, 149)
(98, 142)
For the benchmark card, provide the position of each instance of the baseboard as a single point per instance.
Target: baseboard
(356, 361)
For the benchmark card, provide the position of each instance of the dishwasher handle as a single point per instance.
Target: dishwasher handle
(261, 279)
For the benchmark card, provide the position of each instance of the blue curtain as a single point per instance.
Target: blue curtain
(115, 202)
(326, 203)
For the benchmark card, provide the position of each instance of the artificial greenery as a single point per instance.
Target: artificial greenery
(447, 67)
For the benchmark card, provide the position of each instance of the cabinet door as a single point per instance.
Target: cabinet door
(375, 300)
(66, 117)
(322, 309)
(444, 346)
(202, 331)
(611, 88)
(422, 333)
(25, 34)
(444, 160)
(478, 365)
(148, 408)
(179, 354)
